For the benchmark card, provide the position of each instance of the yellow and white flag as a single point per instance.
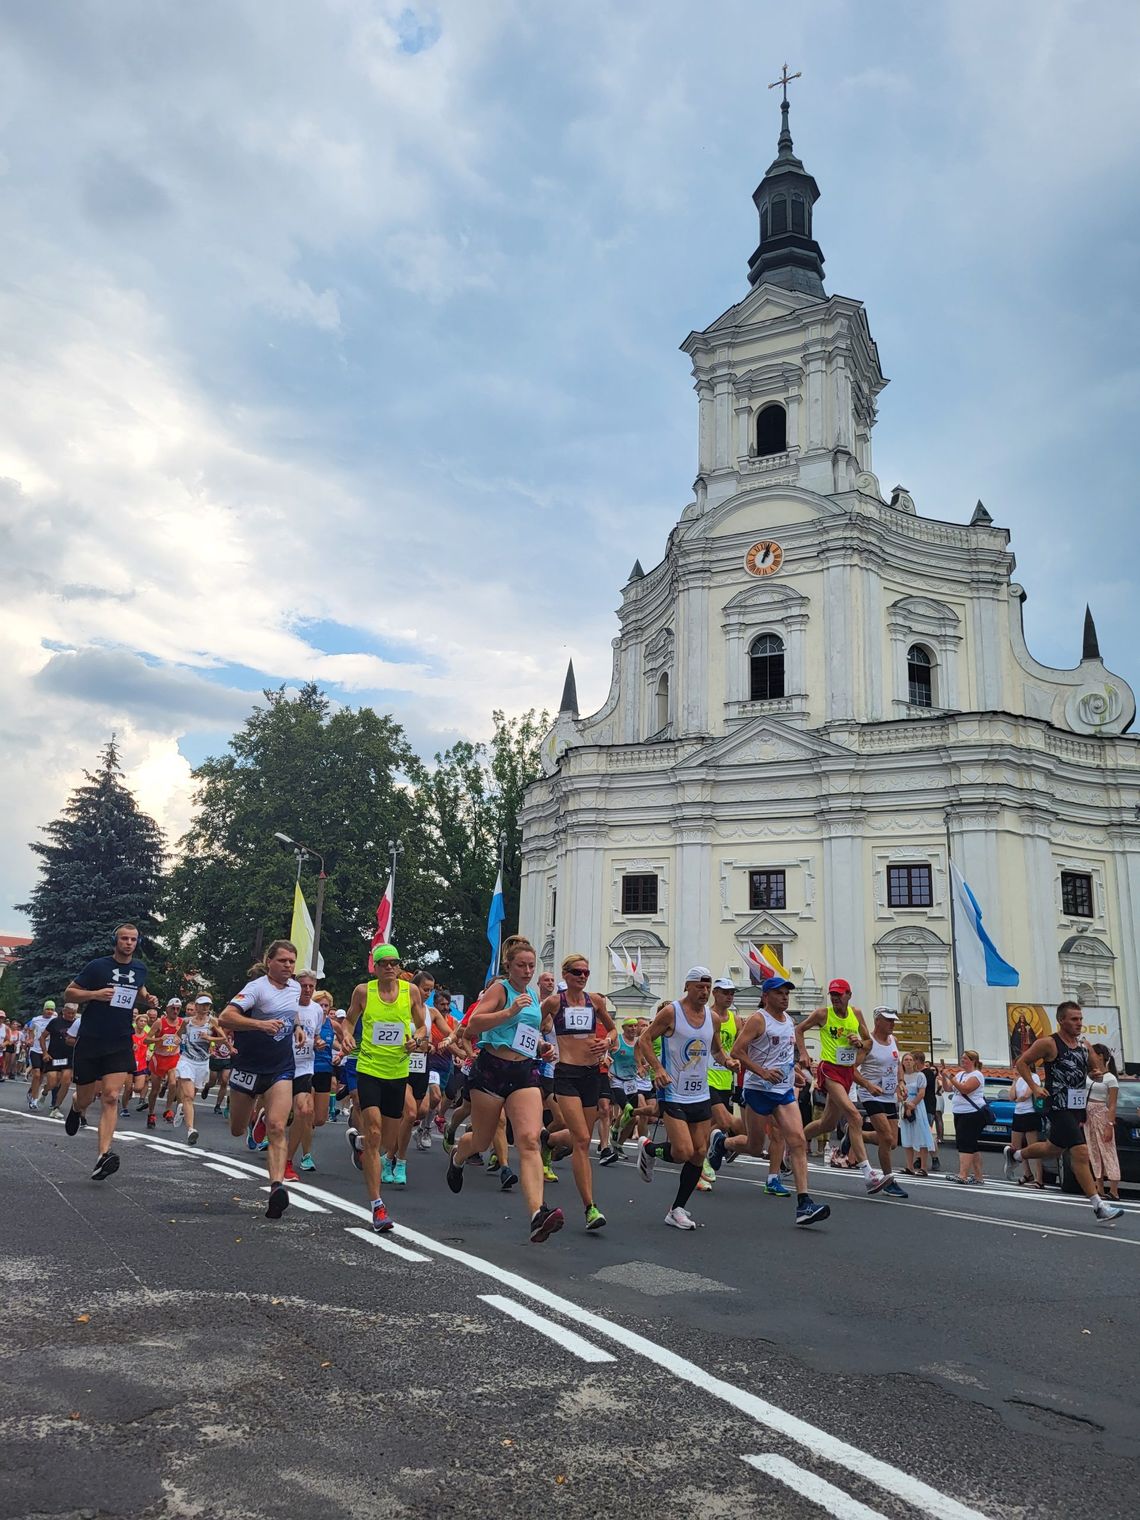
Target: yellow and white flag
(302, 933)
(770, 956)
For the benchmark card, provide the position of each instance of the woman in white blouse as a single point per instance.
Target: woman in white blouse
(967, 1090)
(1100, 1122)
(1026, 1127)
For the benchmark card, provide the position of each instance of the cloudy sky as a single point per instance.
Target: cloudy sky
(338, 338)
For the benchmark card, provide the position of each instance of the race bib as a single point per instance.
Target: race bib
(1077, 1098)
(61, 1062)
(124, 997)
(526, 1041)
(244, 1081)
(417, 1061)
(578, 1020)
(785, 1075)
(845, 1055)
(691, 1085)
(388, 1034)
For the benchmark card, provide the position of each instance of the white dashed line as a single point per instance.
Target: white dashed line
(371, 1238)
(303, 1204)
(565, 1338)
(818, 1490)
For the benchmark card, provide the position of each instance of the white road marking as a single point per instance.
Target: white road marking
(226, 1171)
(371, 1238)
(818, 1490)
(301, 1203)
(565, 1338)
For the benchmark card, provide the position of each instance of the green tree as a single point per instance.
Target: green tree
(469, 801)
(340, 781)
(13, 999)
(101, 865)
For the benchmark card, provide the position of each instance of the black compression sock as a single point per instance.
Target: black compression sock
(690, 1176)
(801, 1197)
(662, 1152)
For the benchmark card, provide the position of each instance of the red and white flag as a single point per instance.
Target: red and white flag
(759, 969)
(383, 935)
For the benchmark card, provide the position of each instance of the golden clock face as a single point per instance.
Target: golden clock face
(764, 558)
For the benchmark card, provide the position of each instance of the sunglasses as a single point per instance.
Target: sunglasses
(577, 971)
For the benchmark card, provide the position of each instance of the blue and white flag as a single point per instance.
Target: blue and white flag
(979, 963)
(495, 926)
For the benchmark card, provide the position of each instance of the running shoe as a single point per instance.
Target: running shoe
(560, 1152)
(892, 1190)
(140, 1106)
(454, 1177)
(935, 1164)
(278, 1201)
(775, 1188)
(386, 1172)
(352, 1136)
(124, 1112)
(168, 1115)
(440, 1123)
(291, 1172)
(507, 1179)
(475, 1159)
(1106, 1212)
(400, 1173)
(608, 1155)
(260, 1130)
(703, 1186)
(56, 1113)
(107, 1163)
(716, 1149)
(810, 1212)
(645, 1161)
(1008, 1165)
(595, 1219)
(151, 1122)
(307, 1163)
(422, 1138)
(381, 1222)
(877, 1181)
(680, 1219)
(730, 1157)
(250, 1142)
(707, 1173)
(493, 1166)
(217, 1108)
(192, 1137)
(544, 1223)
(448, 1141)
(549, 1174)
(32, 1103)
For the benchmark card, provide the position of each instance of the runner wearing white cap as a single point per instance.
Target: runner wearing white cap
(879, 1075)
(689, 1040)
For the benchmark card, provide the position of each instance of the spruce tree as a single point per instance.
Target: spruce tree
(101, 865)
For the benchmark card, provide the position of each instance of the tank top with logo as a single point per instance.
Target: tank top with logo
(839, 1038)
(685, 1055)
(775, 1048)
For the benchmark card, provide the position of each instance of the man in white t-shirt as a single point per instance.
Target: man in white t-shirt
(34, 1034)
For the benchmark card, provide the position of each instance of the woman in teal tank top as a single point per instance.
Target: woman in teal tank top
(505, 1025)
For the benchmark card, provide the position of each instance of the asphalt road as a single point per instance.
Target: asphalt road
(172, 1353)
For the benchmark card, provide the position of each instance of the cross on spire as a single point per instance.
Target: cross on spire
(785, 80)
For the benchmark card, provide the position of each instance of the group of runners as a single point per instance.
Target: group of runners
(536, 1066)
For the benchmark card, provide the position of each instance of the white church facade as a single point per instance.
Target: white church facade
(819, 697)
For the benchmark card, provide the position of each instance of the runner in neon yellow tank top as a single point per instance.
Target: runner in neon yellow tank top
(386, 1019)
(844, 1042)
(722, 1079)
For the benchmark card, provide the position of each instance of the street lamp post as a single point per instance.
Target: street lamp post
(303, 852)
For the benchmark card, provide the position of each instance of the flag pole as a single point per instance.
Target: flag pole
(959, 1027)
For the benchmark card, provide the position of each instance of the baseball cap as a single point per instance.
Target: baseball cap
(203, 999)
(725, 983)
(837, 984)
(385, 953)
(49, 1004)
(886, 1013)
(772, 983)
(698, 974)
(174, 1002)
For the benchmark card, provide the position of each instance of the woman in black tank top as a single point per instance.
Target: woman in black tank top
(585, 1034)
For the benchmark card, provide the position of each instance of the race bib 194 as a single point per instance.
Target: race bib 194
(124, 997)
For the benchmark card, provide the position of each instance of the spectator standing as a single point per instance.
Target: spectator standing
(1100, 1123)
(967, 1091)
(933, 1101)
(1026, 1127)
(915, 1134)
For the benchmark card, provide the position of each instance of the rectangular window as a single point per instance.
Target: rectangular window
(909, 887)
(767, 889)
(554, 907)
(1076, 894)
(638, 894)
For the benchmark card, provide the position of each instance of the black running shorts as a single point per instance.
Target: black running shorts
(94, 1065)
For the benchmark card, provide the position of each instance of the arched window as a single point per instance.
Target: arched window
(779, 215)
(799, 218)
(771, 430)
(764, 222)
(766, 668)
(661, 703)
(920, 677)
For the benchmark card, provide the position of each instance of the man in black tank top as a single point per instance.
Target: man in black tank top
(1066, 1058)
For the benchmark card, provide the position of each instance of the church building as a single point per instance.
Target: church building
(819, 697)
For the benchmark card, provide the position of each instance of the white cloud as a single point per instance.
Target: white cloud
(366, 314)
